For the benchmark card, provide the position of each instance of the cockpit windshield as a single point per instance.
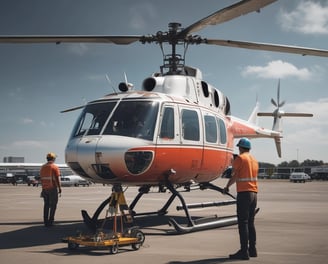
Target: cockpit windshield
(129, 118)
(93, 118)
(133, 119)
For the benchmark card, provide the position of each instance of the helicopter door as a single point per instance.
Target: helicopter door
(215, 152)
(179, 142)
(191, 138)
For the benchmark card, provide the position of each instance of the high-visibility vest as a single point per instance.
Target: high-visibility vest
(245, 168)
(48, 173)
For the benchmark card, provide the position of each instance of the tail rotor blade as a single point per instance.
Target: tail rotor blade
(274, 102)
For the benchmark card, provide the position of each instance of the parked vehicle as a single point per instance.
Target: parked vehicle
(32, 180)
(73, 180)
(299, 177)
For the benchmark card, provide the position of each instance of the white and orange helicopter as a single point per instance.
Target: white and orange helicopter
(175, 132)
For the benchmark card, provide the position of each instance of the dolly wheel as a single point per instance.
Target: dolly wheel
(72, 245)
(140, 237)
(113, 249)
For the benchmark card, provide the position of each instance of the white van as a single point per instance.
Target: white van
(299, 177)
(73, 180)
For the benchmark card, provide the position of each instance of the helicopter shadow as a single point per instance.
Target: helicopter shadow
(36, 234)
(204, 261)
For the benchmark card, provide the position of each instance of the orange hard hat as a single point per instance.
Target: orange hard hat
(51, 156)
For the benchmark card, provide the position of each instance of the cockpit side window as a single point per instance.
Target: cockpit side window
(93, 118)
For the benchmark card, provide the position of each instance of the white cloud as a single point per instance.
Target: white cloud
(78, 48)
(277, 69)
(27, 121)
(140, 13)
(309, 17)
(319, 109)
(28, 143)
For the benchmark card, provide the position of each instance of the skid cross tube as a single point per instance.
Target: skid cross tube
(191, 226)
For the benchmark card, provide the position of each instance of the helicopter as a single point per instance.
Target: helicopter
(177, 131)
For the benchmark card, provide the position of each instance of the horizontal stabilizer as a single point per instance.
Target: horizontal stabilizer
(280, 114)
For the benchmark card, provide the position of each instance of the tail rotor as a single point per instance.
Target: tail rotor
(277, 115)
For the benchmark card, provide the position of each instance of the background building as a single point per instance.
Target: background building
(11, 159)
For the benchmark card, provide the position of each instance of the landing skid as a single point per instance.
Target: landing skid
(204, 224)
(192, 225)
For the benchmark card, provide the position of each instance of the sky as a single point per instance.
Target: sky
(37, 81)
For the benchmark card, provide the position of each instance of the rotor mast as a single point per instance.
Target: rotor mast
(173, 62)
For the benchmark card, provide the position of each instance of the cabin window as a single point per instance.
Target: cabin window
(205, 89)
(133, 119)
(93, 118)
(190, 125)
(167, 127)
(211, 131)
(223, 131)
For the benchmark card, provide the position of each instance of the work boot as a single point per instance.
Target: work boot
(240, 255)
(252, 252)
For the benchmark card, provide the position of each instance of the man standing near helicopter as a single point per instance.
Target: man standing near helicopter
(50, 181)
(245, 169)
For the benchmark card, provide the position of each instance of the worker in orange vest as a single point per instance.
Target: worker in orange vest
(51, 187)
(244, 174)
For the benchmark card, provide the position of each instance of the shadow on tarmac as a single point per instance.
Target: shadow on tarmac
(36, 234)
(203, 261)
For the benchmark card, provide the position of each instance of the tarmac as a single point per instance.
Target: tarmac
(292, 226)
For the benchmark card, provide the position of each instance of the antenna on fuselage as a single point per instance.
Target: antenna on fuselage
(125, 86)
(110, 83)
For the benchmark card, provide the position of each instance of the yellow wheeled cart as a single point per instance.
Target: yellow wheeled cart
(133, 237)
(112, 240)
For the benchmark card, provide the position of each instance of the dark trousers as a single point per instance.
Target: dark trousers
(246, 205)
(50, 198)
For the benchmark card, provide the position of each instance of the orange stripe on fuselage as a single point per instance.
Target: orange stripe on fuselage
(242, 129)
(189, 161)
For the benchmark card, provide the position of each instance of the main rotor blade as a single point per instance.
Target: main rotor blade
(269, 47)
(72, 109)
(121, 40)
(226, 14)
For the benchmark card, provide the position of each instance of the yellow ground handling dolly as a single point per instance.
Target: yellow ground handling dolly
(111, 240)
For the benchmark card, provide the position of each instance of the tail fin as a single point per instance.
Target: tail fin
(253, 117)
(277, 117)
